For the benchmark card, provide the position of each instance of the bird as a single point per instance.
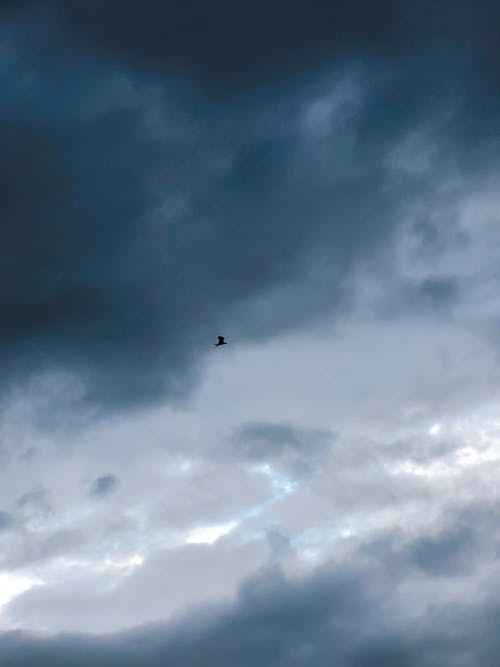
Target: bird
(220, 341)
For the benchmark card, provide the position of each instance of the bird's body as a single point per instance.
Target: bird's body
(220, 341)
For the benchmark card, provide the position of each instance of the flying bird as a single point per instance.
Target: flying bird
(220, 341)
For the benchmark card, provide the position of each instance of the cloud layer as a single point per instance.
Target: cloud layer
(317, 182)
(144, 215)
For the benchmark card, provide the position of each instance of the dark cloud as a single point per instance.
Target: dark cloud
(469, 538)
(225, 43)
(104, 485)
(446, 554)
(144, 215)
(459, 544)
(232, 44)
(92, 283)
(5, 520)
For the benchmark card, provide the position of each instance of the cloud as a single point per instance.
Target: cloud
(104, 485)
(31, 548)
(35, 501)
(137, 230)
(317, 183)
(5, 520)
(293, 448)
(469, 539)
(217, 45)
(375, 610)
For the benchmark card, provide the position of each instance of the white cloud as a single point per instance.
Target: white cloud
(209, 534)
(12, 585)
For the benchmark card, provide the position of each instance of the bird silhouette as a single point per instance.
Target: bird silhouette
(220, 341)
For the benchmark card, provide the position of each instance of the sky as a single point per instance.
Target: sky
(318, 182)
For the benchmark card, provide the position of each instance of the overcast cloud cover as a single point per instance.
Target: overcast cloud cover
(318, 182)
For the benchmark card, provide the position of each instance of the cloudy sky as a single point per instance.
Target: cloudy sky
(318, 182)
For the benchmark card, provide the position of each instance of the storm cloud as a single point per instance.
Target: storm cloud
(318, 183)
(142, 212)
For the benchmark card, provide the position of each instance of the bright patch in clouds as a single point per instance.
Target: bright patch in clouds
(435, 429)
(121, 563)
(12, 585)
(209, 534)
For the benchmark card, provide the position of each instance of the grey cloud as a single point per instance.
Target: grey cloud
(261, 440)
(462, 541)
(446, 554)
(36, 501)
(168, 582)
(423, 450)
(362, 481)
(5, 520)
(296, 450)
(30, 548)
(29, 454)
(209, 494)
(104, 485)
(467, 540)
(352, 616)
(279, 544)
(436, 295)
